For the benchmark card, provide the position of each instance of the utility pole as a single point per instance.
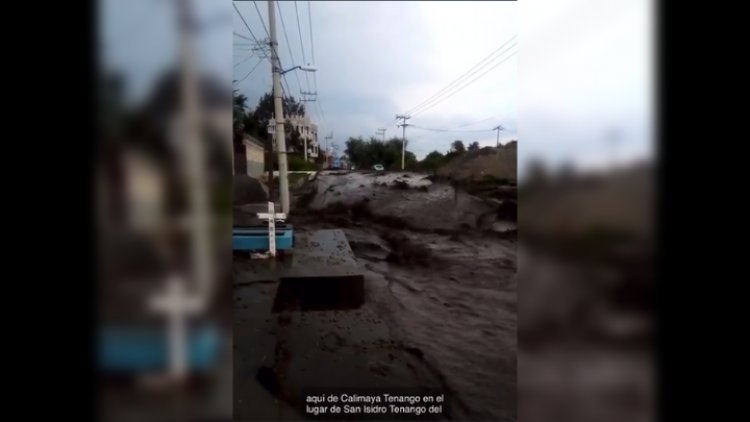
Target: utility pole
(498, 128)
(178, 301)
(404, 118)
(381, 132)
(327, 155)
(195, 155)
(278, 109)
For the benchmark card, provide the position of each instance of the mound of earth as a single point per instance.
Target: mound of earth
(619, 201)
(248, 190)
(489, 162)
(401, 202)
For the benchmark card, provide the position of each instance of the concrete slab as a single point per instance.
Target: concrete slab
(323, 275)
(320, 274)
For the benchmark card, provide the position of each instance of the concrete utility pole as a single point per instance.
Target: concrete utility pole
(498, 128)
(178, 301)
(404, 118)
(278, 110)
(327, 154)
(195, 171)
(381, 132)
(327, 138)
(304, 139)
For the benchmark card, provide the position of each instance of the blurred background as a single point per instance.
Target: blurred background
(587, 172)
(586, 162)
(163, 190)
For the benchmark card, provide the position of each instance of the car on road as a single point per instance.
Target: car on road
(378, 167)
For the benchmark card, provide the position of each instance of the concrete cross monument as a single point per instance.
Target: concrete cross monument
(272, 218)
(177, 304)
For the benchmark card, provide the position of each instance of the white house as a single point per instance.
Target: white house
(308, 133)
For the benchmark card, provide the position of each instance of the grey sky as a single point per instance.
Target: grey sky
(378, 59)
(583, 67)
(587, 69)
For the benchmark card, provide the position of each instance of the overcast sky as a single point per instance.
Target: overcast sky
(379, 59)
(583, 68)
(587, 71)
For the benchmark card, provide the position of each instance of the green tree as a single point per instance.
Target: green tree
(365, 154)
(474, 146)
(257, 120)
(458, 147)
(239, 105)
(433, 161)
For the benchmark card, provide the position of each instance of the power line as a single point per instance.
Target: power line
(302, 45)
(261, 19)
(461, 85)
(245, 22)
(246, 59)
(312, 52)
(482, 63)
(322, 113)
(473, 70)
(450, 130)
(288, 44)
(461, 88)
(252, 70)
(275, 50)
(478, 121)
(285, 84)
(312, 42)
(241, 36)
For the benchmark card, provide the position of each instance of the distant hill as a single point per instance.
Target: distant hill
(619, 200)
(499, 163)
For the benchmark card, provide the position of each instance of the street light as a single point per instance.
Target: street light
(306, 68)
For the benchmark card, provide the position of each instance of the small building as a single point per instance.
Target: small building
(308, 132)
(255, 156)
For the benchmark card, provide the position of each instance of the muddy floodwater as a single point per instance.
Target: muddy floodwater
(439, 309)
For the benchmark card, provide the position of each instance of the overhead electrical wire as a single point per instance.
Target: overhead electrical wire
(288, 44)
(449, 130)
(302, 45)
(461, 88)
(473, 70)
(241, 36)
(251, 70)
(246, 25)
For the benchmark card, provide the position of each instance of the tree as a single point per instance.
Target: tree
(433, 161)
(474, 146)
(537, 174)
(239, 105)
(256, 122)
(458, 147)
(365, 154)
(264, 111)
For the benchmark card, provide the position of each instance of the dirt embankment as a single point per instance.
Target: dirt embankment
(488, 163)
(409, 201)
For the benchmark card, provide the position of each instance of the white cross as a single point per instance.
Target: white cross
(272, 217)
(177, 304)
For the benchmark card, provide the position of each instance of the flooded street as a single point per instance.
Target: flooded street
(439, 311)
